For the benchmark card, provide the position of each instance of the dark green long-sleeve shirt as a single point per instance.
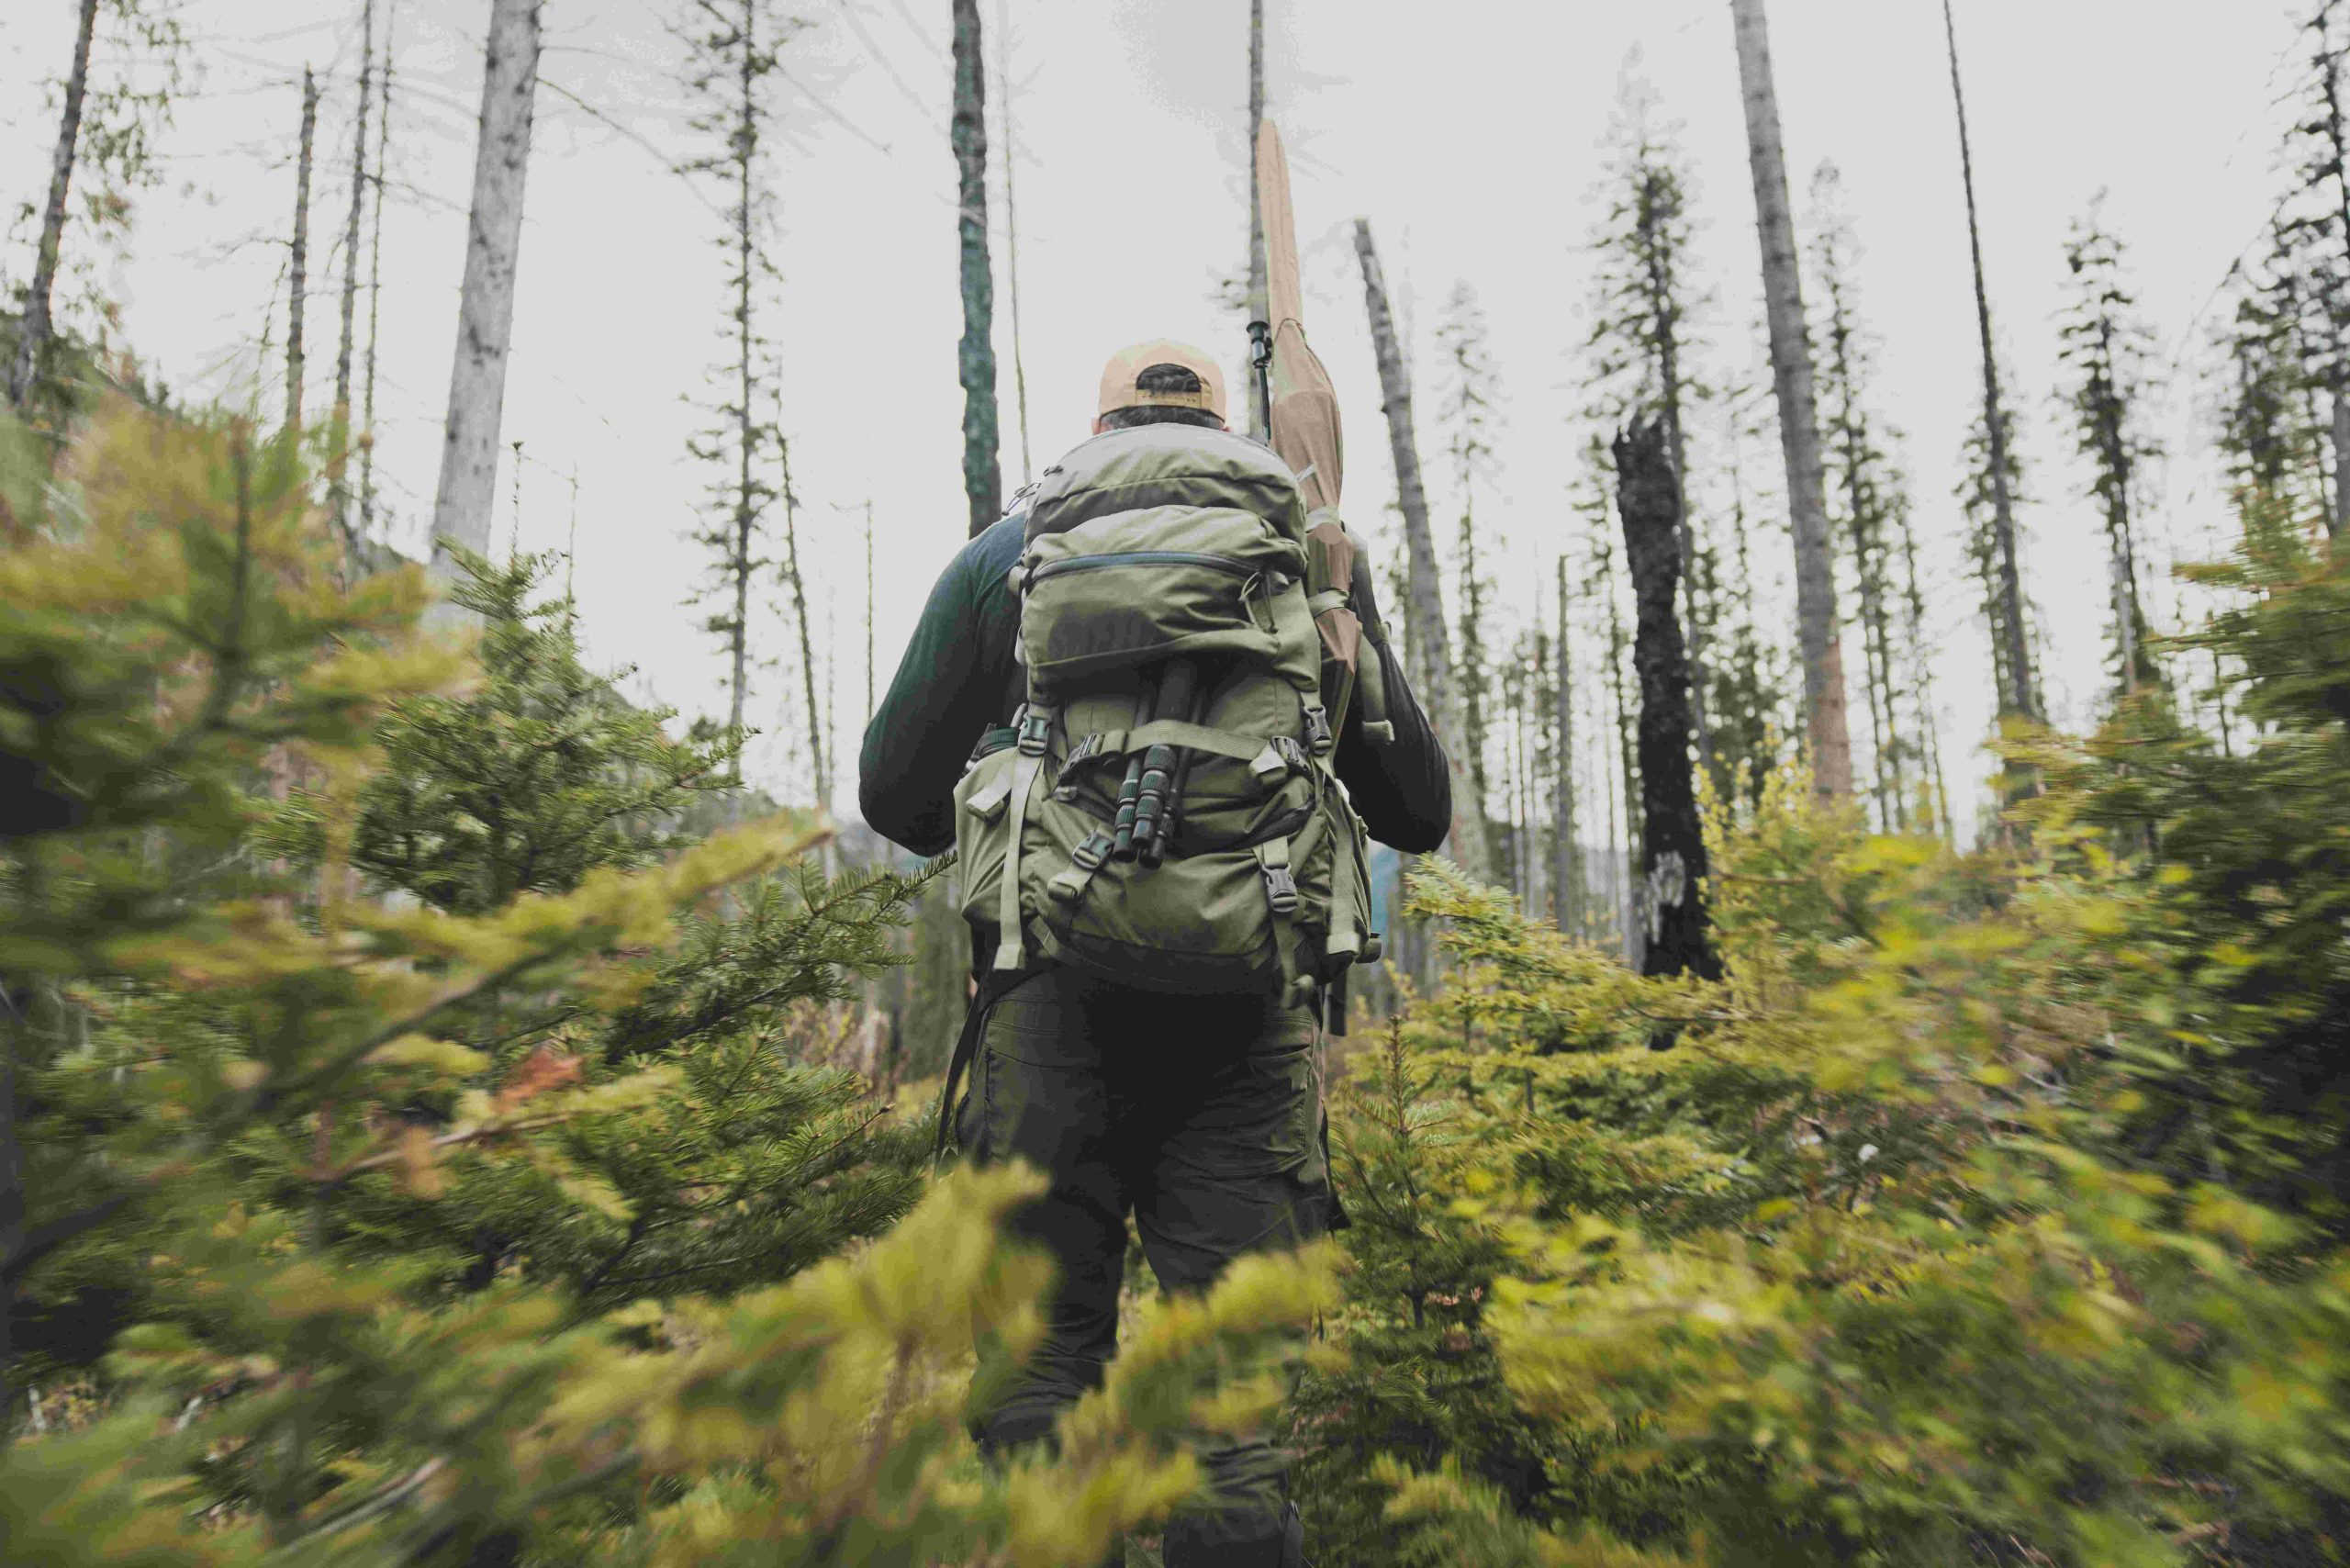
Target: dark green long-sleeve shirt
(958, 680)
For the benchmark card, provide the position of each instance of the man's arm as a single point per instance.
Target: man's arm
(1404, 789)
(949, 690)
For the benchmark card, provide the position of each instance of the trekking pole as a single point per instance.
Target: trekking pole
(1163, 826)
(1130, 787)
(1260, 360)
(1176, 689)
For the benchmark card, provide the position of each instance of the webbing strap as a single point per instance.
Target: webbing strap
(1192, 737)
(991, 987)
(1011, 951)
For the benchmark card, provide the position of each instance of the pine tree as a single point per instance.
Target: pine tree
(1994, 472)
(2107, 349)
(1992, 487)
(736, 53)
(1747, 685)
(1642, 338)
(1868, 491)
(1468, 416)
(2322, 222)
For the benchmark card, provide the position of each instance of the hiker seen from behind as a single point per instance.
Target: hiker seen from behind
(1157, 711)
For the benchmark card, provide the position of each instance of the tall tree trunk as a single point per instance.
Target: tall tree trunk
(35, 329)
(2340, 520)
(1816, 622)
(742, 150)
(817, 752)
(1566, 852)
(461, 506)
(339, 433)
(374, 291)
(1630, 925)
(2022, 695)
(869, 702)
(975, 359)
(1260, 297)
(1011, 230)
(1673, 856)
(298, 285)
(1469, 847)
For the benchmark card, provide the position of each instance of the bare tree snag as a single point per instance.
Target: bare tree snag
(374, 290)
(1672, 845)
(1260, 296)
(1817, 627)
(1010, 232)
(1425, 595)
(298, 284)
(1567, 872)
(461, 508)
(2022, 700)
(339, 433)
(975, 358)
(37, 326)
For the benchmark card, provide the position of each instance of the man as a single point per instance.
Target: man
(1200, 1115)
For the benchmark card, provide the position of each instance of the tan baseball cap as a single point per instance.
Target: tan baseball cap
(1126, 367)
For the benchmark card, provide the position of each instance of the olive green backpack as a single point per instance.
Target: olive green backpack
(1163, 812)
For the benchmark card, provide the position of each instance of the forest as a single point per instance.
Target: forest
(1866, 1080)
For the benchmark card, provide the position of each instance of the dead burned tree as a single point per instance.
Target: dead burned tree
(1426, 598)
(1672, 845)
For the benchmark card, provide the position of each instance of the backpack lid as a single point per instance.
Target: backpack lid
(1166, 464)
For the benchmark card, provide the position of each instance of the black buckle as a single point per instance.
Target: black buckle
(1281, 889)
(1292, 753)
(1317, 729)
(1090, 855)
(1035, 727)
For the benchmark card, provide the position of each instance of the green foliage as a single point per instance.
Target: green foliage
(484, 1230)
(537, 775)
(1879, 1261)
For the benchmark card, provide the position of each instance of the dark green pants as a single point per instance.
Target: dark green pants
(1202, 1117)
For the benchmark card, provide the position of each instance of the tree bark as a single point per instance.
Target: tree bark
(2023, 697)
(1469, 837)
(2340, 520)
(1260, 296)
(818, 761)
(1010, 232)
(1816, 622)
(742, 150)
(461, 508)
(1566, 872)
(298, 283)
(1673, 844)
(35, 329)
(975, 359)
(339, 433)
(375, 292)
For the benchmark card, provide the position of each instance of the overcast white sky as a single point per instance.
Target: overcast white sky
(1469, 134)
